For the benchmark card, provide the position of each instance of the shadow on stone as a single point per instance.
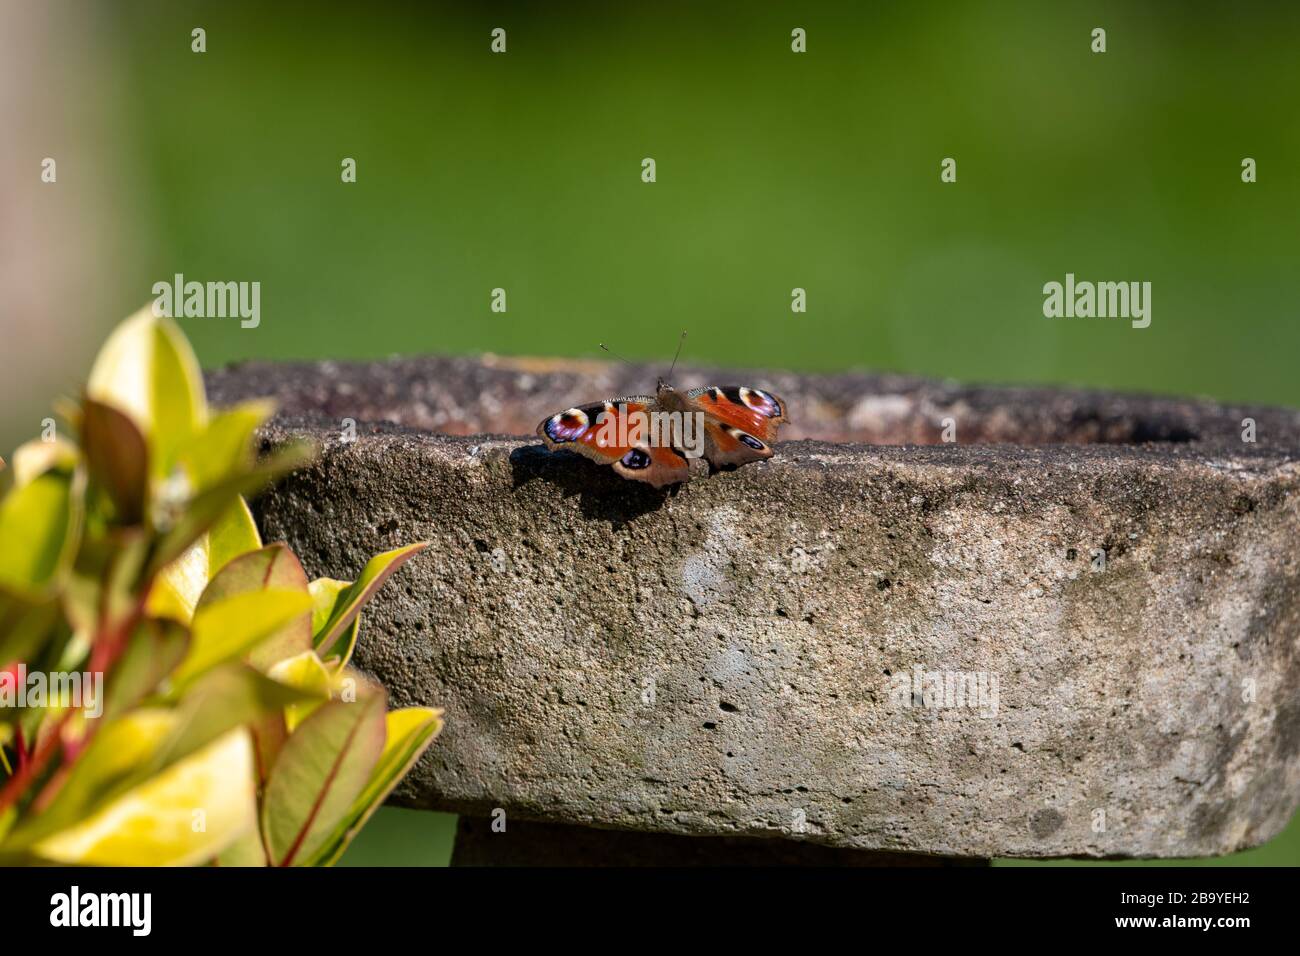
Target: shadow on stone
(602, 493)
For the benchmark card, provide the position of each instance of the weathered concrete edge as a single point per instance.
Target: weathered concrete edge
(434, 450)
(473, 394)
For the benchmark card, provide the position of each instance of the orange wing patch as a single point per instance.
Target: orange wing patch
(740, 422)
(752, 410)
(599, 432)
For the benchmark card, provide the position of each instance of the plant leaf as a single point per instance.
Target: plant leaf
(117, 457)
(225, 448)
(326, 594)
(114, 761)
(305, 672)
(36, 457)
(208, 507)
(324, 597)
(152, 652)
(154, 824)
(349, 603)
(179, 585)
(233, 534)
(322, 768)
(230, 628)
(274, 566)
(40, 523)
(245, 851)
(410, 732)
(229, 696)
(102, 592)
(25, 625)
(147, 370)
(341, 653)
(269, 734)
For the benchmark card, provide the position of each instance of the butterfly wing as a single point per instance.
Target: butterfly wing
(602, 433)
(739, 422)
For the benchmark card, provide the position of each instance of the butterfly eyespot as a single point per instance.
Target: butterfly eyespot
(636, 459)
(746, 439)
(568, 425)
(760, 401)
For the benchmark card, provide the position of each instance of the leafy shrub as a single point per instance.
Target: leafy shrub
(227, 726)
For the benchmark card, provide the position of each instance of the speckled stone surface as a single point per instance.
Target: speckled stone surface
(738, 657)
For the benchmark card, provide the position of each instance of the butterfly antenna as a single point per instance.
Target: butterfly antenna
(615, 354)
(680, 343)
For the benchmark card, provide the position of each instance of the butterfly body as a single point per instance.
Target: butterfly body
(653, 438)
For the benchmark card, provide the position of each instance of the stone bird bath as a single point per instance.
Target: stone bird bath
(762, 665)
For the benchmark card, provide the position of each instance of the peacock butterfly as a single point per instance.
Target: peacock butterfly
(652, 438)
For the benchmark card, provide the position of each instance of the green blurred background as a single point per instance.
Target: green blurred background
(775, 170)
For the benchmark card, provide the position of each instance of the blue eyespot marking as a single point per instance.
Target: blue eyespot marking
(568, 425)
(636, 459)
(760, 401)
(746, 439)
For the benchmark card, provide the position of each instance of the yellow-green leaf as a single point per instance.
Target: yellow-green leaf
(179, 585)
(205, 509)
(272, 567)
(410, 731)
(230, 628)
(152, 652)
(234, 533)
(322, 769)
(245, 851)
(40, 523)
(26, 623)
(111, 764)
(223, 698)
(187, 814)
(307, 673)
(324, 596)
(36, 457)
(225, 447)
(148, 370)
(102, 592)
(348, 604)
